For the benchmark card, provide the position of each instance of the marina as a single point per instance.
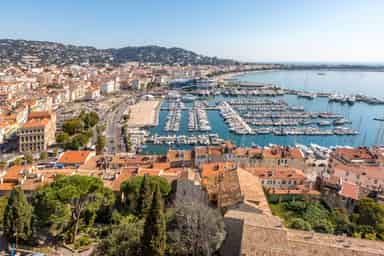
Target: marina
(198, 120)
(202, 139)
(257, 113)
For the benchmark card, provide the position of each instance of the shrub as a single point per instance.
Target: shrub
(301, 224)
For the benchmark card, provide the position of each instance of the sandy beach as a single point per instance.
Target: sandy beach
(144, 113)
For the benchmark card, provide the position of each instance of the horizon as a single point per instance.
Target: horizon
(247, 31)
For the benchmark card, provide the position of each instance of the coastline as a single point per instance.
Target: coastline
(230, 75)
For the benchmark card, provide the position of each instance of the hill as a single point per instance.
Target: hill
(45, 53)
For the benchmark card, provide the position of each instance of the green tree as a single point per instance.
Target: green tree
(28, 158)
(368, 212)
(301, 224)
(100, 144)
(122, 240)
(3, 165)
(78, 141)
(43, 155)
(62, 137)
(154, 235)
(73, 126)
(3, 205)
(89, 119)
(52, 217)
(131, 190)
(74, 195)
(145, 197)
(18, 161)
(17, 217)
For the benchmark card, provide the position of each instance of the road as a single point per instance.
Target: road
(113, 127)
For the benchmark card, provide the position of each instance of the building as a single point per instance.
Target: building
(180, 158)
(252, 230)
(214, 178)
(279, 156)
(108, 87)
(280, 178)
(75, 158)
(353, 173)
(38, 133)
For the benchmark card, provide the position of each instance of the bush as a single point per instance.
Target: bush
(323, 226)
(301, 224)
(296, 206)
(82, 241)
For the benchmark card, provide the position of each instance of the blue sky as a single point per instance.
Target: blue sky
(275, 30)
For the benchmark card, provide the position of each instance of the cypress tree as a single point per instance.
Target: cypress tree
(154, 236)
(17, 217)
(145, 197)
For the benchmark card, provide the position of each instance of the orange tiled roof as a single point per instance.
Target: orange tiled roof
(209, 171)
(149, 171)
(277, 152)
(35, 123)
(349, 190)
(74, 157)
(350, 154)
(13, 172)
(373, 172)
(7, 186)
(39, 115)
(277, 173)
(161, 165)
(124, 175)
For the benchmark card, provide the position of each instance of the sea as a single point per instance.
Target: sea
(371, 132)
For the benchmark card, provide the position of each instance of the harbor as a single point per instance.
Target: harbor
(256, 113)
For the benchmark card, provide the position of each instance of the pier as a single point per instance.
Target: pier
(197, 118)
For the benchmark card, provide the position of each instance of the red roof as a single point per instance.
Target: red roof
(349, 190)
(74, 157)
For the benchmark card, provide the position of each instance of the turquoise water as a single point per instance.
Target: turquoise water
(361, 114)
(344, 82)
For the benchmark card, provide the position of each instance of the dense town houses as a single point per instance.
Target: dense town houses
(353, 173)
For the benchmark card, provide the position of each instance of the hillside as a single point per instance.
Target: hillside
(12, 52)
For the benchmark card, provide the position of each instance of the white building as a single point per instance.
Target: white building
(108, 87)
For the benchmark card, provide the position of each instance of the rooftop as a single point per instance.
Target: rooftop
(74, 157)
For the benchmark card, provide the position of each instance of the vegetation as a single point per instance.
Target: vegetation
(194, 229)
(127, 138)
(366, 221)
(154, 235)
(17, 217)
(43, 155)
(187, 228)
(3, 205)
(77, 132)
(123, 239)
(3, 165)
(68, 201)
(80, 211)
(133, 198)
(28, 158)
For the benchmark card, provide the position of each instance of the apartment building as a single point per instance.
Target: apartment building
(38, 133)
(280, 178)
